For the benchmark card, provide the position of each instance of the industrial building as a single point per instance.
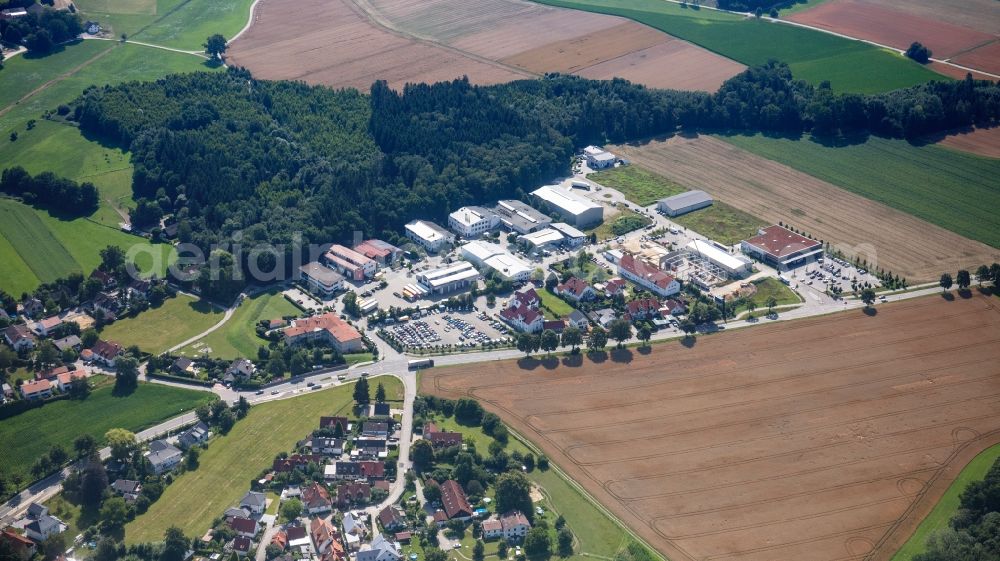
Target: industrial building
(473, 221)
(572, 236)
(322, 280)
(732, 266)
(519, 217)
(492, 256)
(598, 158)
(429, 235)
(350, 263)
(453, 278)
(782, 248)
(684, 203)
(383, 253)
(549, 238)
(575, 209)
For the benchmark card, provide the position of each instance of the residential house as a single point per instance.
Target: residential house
(280, 539)
(330, 422)
(71, 342)
(392, 519)
(326, 327)
(369, 448)
(51, 373)
(234, 512)
(642, 309)
(576, 289)
(614, 287)
(45, 326)
(32, 308)
(556, 325)
(139, 289)
(240, 369)
(316, 498)
(322, 533)
(19, 337)
(603, 317)
(183, 366)
(441, 439)
(578, 320)
(127, 488)
(106, 352)
(193, 436)
(455, 503)
(23, 547)
(674, 306)
(255, 502)
(298, 537)
(107, 280)
(647, 276)
(349, 471)
(354, 493)
(380, 409)
(327, 446)
(65, 380)
(354, 531)
(515, 525)
(375, 429)
(43, 525)
(523, 318)
(163, 456)
(106, 304)
(246, 527)
(492, 529)
(284, 465)
(381, 549)
(38, 389)
(242, 546)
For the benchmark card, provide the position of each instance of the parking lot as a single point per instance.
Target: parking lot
(442, 327)
(832, 272)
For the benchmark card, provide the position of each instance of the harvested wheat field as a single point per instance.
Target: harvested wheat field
(813, 440)
(985, 142)
(899, 242)
(330, 42)
(986, 57)
(893, 27)
(981, 15)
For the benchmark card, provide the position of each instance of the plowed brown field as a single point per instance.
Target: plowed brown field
(986, 57)
(908, 246)
(354, 42)
(981, 15)
(814, 440)
(985, 142)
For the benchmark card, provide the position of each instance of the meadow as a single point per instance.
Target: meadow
(238, 338)
(197, 497)
(766, 288)
(849, 66)
(158, 329)
(60, 422)
(639, 186)
(954, 190)
(722, 223)
(179, 24)
(946, 508)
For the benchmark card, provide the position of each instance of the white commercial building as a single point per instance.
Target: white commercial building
(684, 203)
(458, 276)
(573, 208)
(735, 266)
(428, 234)
(598, 158)
(519, 217)
(573, 237)
(322, 280)
(542, 239)
(492, 256)
(473, 221)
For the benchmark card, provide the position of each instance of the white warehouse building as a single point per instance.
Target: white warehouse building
(735, 266)
(492, 256)
(428, 234)
(684, 203)
(473, 221)
(575, 209)
(452, 278)
(598, 158)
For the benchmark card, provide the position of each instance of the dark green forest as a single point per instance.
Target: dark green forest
(225, 152)
(975, 530)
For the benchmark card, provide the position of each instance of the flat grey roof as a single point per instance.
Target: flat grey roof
(321, 273)
(686, 199)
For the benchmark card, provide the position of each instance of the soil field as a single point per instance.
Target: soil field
(330, 42)
(899, 242)
(981, 15)
(986, 57)
(816, 440)
(892, 27)
(985, 142)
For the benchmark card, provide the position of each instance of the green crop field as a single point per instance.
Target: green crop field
(955, 190)
(850, 66)
(639, 186)
(126, 16)
(187, 25)
(30, 434)
(722, 223)
(948, 505)
(21, 75)
(158, 329)
(195, 498)
(238, 338)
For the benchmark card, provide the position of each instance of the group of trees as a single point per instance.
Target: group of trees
(41, 32)
(974, 534)
(46, 190)
(222, 416)
(963, 278)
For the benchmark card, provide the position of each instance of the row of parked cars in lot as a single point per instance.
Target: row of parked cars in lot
(417, 334)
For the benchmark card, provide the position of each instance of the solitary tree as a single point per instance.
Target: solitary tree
(290, 510)
(918, 52)
(126, 375)
(215, 46)
(946, 282)
(175, 545)
(771, 303)
(114, 513)
(565, 539)
(620, 330)
(121, 442)
(513, 492)
(644, 334)
(572, 337)
(537, 544)
(549, 340)
(688, 327)
(479, 551)
(963, 279)
(361, 392)
(751, 306)
(526, 343)
(379, 394)
(868, 297)
(598, 339)
(982, 273)
(422, 454)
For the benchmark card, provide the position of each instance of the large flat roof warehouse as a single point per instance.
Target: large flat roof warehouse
(565, 200)
(684, 202)
(470, 215)
(778, 241)
(428, 231)
(733, 264)
(547, 236)
(321, 273)
(497, 258)
(462, 271)
(520, 217)
(567, 230)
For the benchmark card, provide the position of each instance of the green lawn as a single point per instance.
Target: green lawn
(955, 190)
(948, 505)
(769, 287)
(721, 223)
(639, 186)
(850, 66)
(238, 338)
(158, 329)
(192, 21)
(195, 498)
(554, 306)
(22, 74)
(631, 220)
(31, 434)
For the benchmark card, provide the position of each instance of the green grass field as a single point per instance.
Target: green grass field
(946, 508)
(30, 434)
(721, 223)
(195, 498)
(771, 287)
(21, 75)
(952, 189)
(553, 304)
(238, 338)
(190, 22)
(639, 186)
(158, 329)
(850, 66)
(606, 229)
